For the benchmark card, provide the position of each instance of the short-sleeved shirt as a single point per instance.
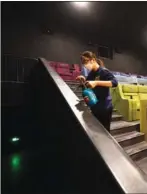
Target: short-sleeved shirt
(101, 92)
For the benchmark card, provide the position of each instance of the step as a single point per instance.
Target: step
(72, 83)
(137, 151)
(142, 164)
(78, 93)
(116, 117)
(118, 127)
(75, 89)
(80, 97)
(129, 138)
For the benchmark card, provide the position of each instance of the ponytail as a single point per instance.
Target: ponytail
(100, 62)
(88, 55)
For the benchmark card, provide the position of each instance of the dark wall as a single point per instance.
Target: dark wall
(20, 41)
(29, 41)
(127, 62)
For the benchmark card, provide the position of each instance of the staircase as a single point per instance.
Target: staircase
(126, 133)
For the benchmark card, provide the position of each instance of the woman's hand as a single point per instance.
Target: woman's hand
(91, 84)
(81, 78)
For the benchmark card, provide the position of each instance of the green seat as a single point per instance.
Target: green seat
(142, 92)
(143, 109)
(143, 117)
(131, 92)
(126, 100)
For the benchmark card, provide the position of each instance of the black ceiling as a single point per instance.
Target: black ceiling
(120, 23)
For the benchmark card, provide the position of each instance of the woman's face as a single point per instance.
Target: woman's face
(89, 65)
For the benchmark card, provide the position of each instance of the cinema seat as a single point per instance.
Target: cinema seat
(125, 99)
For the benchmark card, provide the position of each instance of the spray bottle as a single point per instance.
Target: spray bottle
(88, 95)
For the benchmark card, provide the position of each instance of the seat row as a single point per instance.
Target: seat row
(126, 98)
(66, 71)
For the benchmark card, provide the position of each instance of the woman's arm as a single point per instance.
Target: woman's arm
(93, 84)
(110, 77)
(109, 81)
(104, 83)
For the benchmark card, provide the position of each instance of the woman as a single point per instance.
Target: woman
(100, 80)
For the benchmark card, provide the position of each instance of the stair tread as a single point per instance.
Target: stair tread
(142, 164)
(127, 136)
(135, 148)
(115, 115)
(122, 124)
(78, 92)
(72, 83)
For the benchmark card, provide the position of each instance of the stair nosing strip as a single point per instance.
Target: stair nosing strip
(127, 134)
(136, 151)
(116, 116)
(121, 127)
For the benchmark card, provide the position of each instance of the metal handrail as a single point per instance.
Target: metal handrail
(129, 177)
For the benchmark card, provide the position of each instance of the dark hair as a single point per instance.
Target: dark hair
(88, 55)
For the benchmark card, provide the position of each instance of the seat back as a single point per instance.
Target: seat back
(130, 92)
(77, 67)
(63, 65)
(76, 71)
(142, 92)
(63, 70)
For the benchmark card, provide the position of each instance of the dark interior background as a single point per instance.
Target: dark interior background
(59, 31)
(118, 25)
